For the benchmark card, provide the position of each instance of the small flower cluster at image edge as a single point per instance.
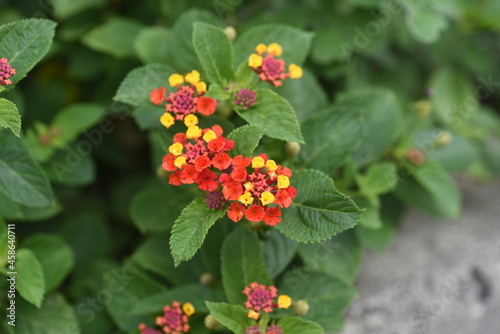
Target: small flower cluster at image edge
(6, 71)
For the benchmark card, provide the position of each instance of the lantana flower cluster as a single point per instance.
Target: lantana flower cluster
(6, 71)
(187, 100)
(175, 320)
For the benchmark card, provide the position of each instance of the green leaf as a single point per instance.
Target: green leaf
(216, 92)
(274, 115)
(69, 168)
(371, 215)
(55, 316)
(156, 209)
(378, 179)
(24, 43)
(319, 211)
(190, 229)
(424, 20)
(329, 139)
(21, 178)
(306, 95)
(77, 118)
(114, 37)
(296, 43)
(54, 255)
(151, 45)
(380, 109)
(65, 9)
(293, 325)
(246, 139)
(234, 317)
(196, 294)
(183, 55)
(279, 251)
(4, 243)
(137, 85)
(148, 116)
(339, 257)
(15, 211)
(9, 116)
(242, 264)
(432, 190)
(328, 297)
(453, 97)
(214, 51)
(29, 279)
(127, 287)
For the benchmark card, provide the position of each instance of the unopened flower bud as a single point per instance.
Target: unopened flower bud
(292, 149)
(207, 279)
(416, 157)
(300, 308)
(161, 173)
(230, 33)
(423, 107)
(210, 322)
(225, 110)
(444, 138)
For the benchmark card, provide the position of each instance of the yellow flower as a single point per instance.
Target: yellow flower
(261, 48)
(248, 186)
(209, 135)
(254, 61)
(193, 78)
(295, 71)
(189, 309)
(271, 165)
(258, 162)
(179, 161)
(167, 120)
(275, 49)
(284, 301)
(190, 120)
(283, 181)
(176, 149)
(201, 87)
(253, 315)
(193, 132)
(175, 80)
(246, 198)
(266, 198)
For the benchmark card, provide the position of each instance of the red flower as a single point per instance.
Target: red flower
(157, 95)
(236, 211)
(272, 216)
(206, 105)
(175, 179)
(283, 198)
(168, 162)
(255, 213)
(239, 174)
(207, 180)
(201, 162)
(188, 174)
(221, 161)
(217, 144)
(241, 161)
(232, 190)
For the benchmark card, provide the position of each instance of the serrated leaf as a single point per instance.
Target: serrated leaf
(54, 255)
(242, 264)
(151, 45)
(294, 325)
(279, 251)
(156, 209)
(137, 85)
(327, 297)
(378, 179)
(29, 279)
(55, 316)
(21, 178)
(77, 118)
(246, 139)
(380, 109)
(216, 92)
(190, 229)
(234, 317)
(214, 51)
(274, 115)
(329, 139)
(194, 293)
(24, 43)
(319, 211)
(114, 37)
(432, 190)
(296, 43)
(338, 257)
(9, 116)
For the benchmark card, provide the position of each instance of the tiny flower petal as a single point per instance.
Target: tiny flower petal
(157, 95)
(255, 60)
(267, 198)
(189, 309)
(179, 161)
(221, 161)
(167, 120)
(275, 49)
(236, 212)
(261, 48)
(248, 186)
(295, 71)
(271, 165)
(246, 198)
(193, 132)
(193, 77)
(272, 216)
(175, 80)
(206, 105)
(201, 87)
(283, 181)
(209, 135)
(255, 213)
(175, 149)
(190, 120)
(201, 162)
(253, 315)
(258, 162)
(284, 301)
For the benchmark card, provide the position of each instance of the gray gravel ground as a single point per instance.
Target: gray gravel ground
(438, 276)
